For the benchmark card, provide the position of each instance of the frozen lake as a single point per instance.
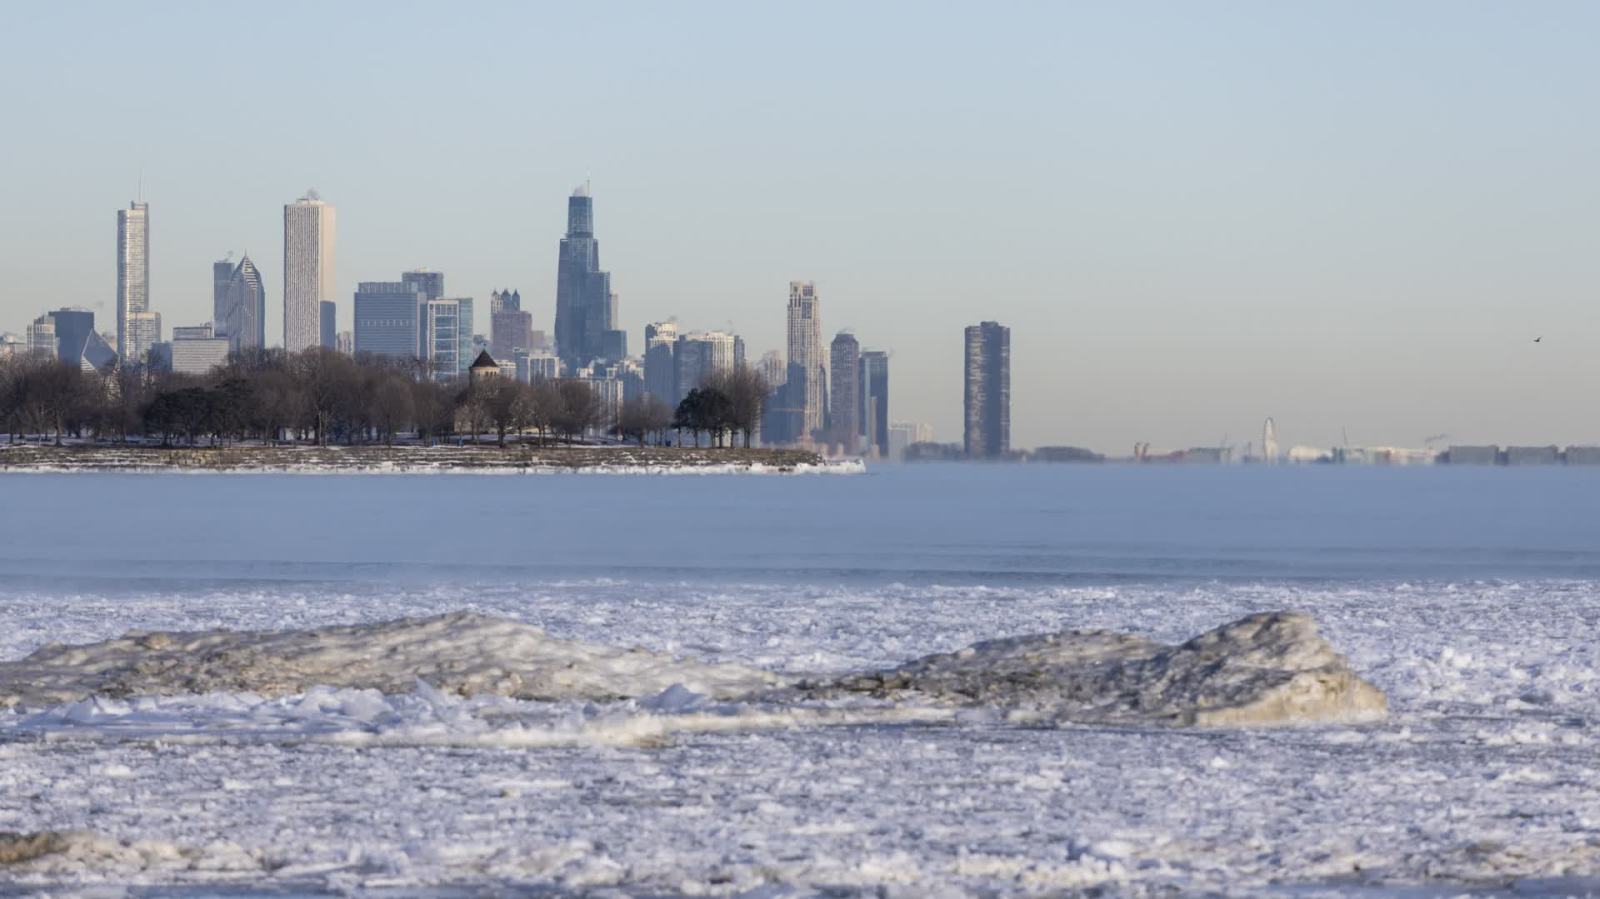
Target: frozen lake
(1470, 596)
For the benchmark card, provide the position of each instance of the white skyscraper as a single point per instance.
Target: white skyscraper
(805, 352)
(308, 240)
(133, 281)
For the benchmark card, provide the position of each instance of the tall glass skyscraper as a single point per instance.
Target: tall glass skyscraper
(874, 378)
(844, 406)
(805, 356)
(987, 397)
(309, 225)
(133, 283)
(585, 309)
(239, 310)
(388, 318)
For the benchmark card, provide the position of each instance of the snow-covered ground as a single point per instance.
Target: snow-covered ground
(1485, 772)
(1471, 599)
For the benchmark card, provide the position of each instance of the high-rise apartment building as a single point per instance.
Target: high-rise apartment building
(874, 386)
(510, 328)
(239, 305)
(772, 369)
(700, 355)
(987, 396)
(133, 282)
(805, 356)
(844, 403)
(388, 318)
(660, 379)
(144, 332)
(585, 306)
(309, 227)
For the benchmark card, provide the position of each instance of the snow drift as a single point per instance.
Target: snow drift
(461, 652)
(1264, 669)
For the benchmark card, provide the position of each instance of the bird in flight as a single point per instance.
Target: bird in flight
(1539, 338)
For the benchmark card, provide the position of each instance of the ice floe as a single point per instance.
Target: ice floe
(463, 653)
(1264, 669)
(1268, 668)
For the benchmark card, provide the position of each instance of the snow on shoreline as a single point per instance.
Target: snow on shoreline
(1264, 669)
(1484, 777)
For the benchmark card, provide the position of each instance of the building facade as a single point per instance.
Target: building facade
(986, 398)
(239, 311)
(805, 377)
(329, 332)
(197, 350)
(73, 329)
(510, 329)
(698, 356)
(844, 401)
(873, 381)
(447, 332)
(660, 377)
(585, 307)
(133, 281)
(505, 301)
(309, 227)
(387, 318)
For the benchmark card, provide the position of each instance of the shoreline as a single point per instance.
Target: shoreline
(486, 459)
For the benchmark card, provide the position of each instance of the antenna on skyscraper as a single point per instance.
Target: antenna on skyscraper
(140, 192)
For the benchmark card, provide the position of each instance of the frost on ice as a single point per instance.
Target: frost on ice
(1263, 669)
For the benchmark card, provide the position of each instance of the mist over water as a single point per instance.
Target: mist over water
(946, 524)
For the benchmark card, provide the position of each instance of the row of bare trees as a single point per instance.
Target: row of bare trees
(324, 397)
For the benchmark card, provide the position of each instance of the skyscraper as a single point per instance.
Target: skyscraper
(221, 275)
(987, 396)
(585, 307)
(133, 281)
(329, 332)
(388, 318)
(504, 301)
(430, 284)
(874, 378)
(697, 356)
(447, 332)
(73, 329)
(772, 369)
(805, 355)
(659, 378)
(239, 312)
(309, 226)
(844, 405)
(510, 329)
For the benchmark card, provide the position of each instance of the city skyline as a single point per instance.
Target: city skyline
(1181, 289)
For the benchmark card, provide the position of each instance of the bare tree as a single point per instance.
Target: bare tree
(393, 406)
(543, 407)
(506, 403)
(746, 392)
(579, 410)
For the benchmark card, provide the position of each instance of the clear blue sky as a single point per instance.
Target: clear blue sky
(1346, 215)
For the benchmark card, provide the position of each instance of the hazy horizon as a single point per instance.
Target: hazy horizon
(1354, 218)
